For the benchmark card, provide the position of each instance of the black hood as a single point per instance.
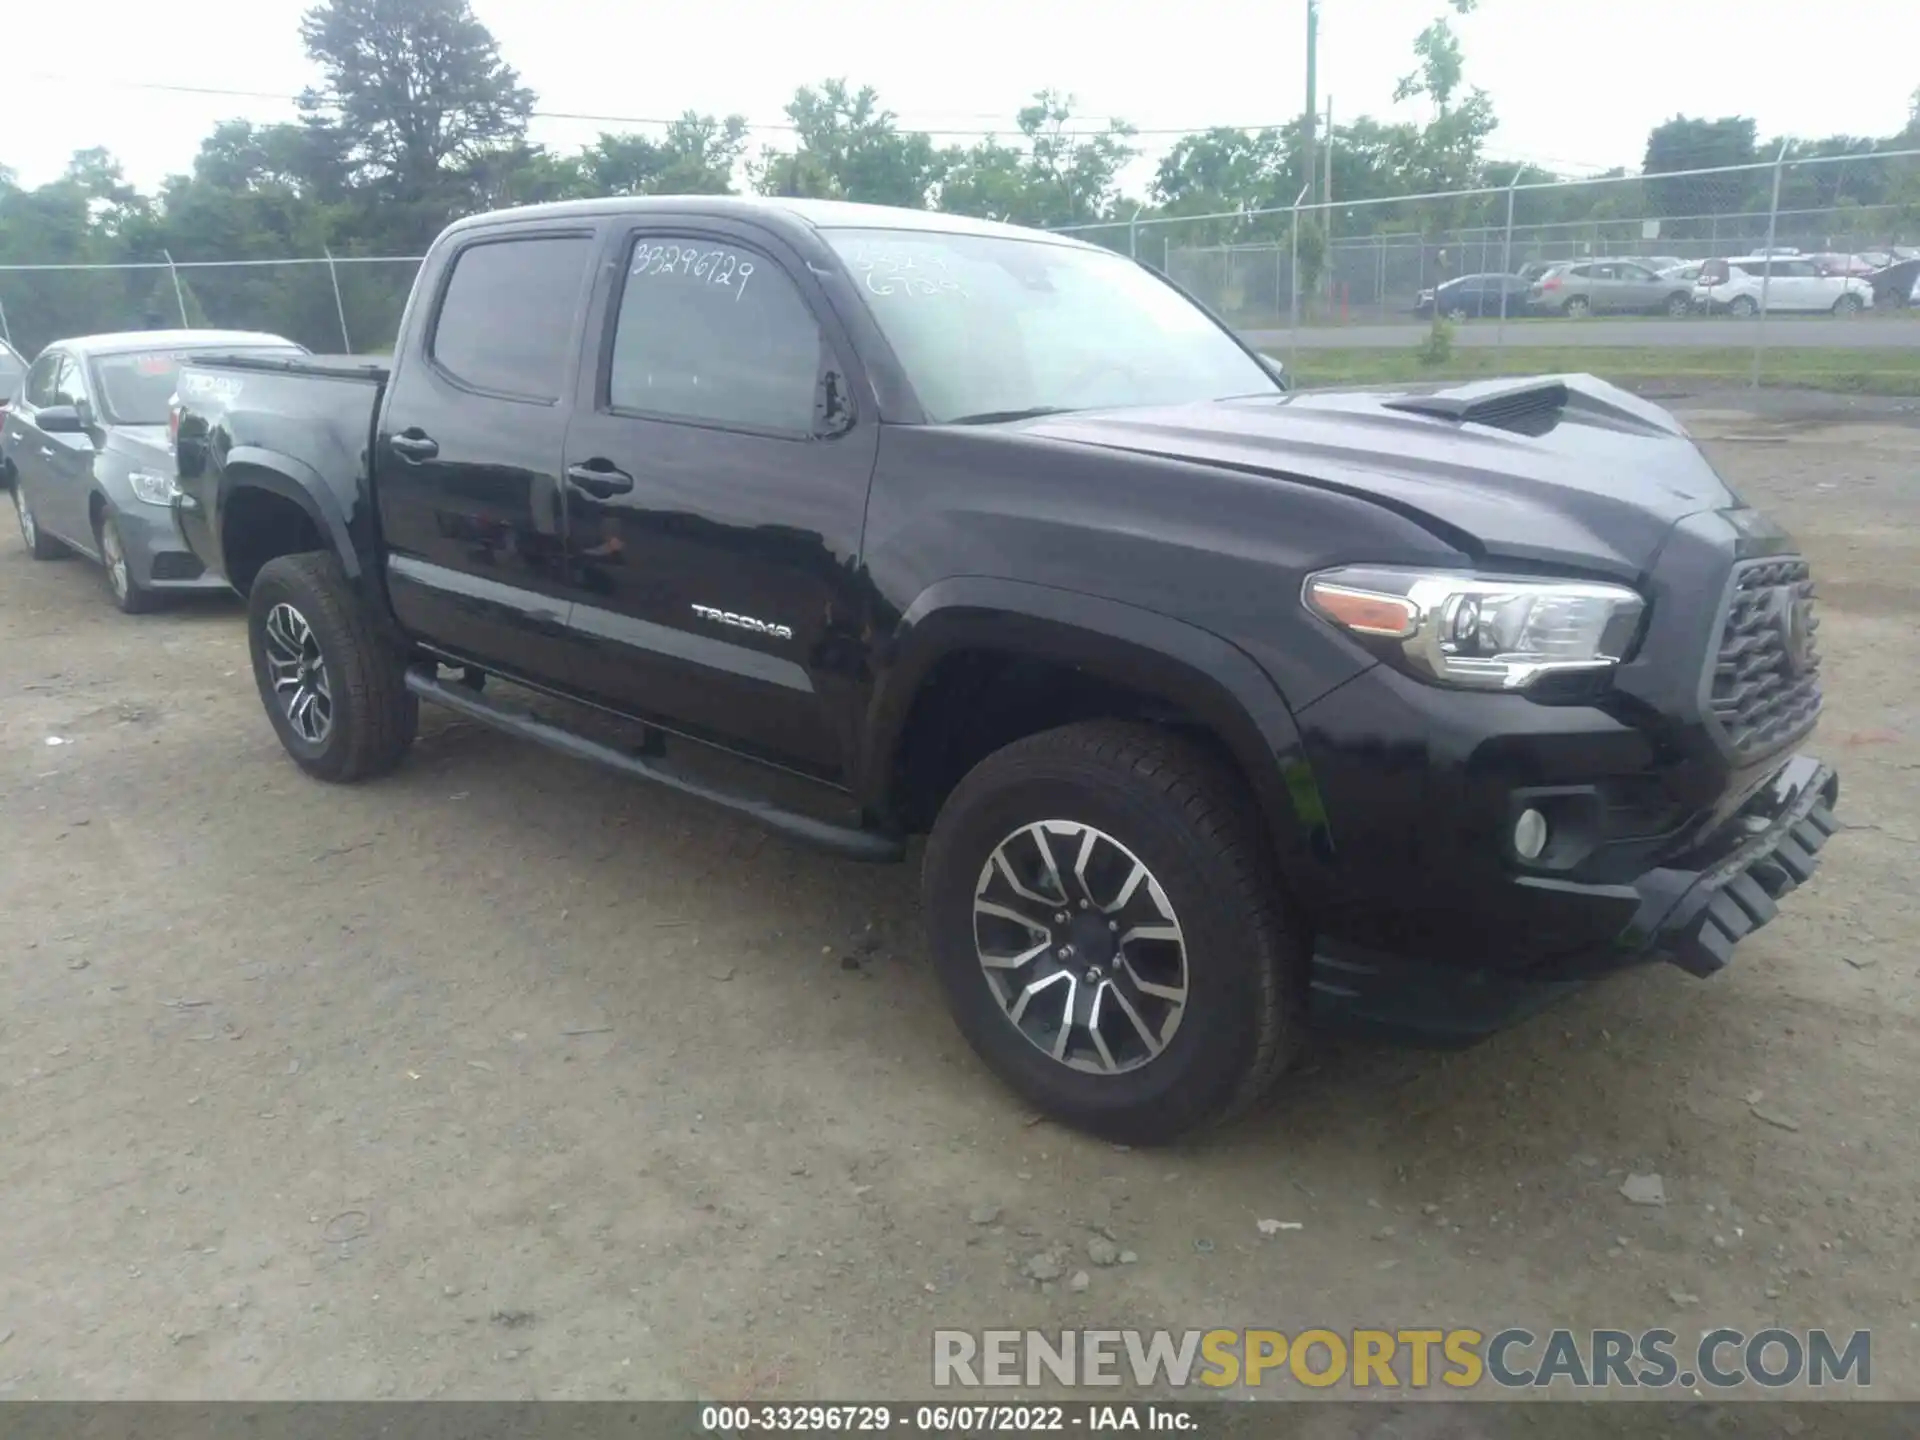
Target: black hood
(1599, 486)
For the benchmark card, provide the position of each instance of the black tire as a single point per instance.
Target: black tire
(40, 545)
(129, 596)
(1184, 815)
(371, 715)
(1679, 304)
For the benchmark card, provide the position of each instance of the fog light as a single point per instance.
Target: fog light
(1530, 835)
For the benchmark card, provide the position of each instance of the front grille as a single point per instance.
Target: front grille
(1766, 674)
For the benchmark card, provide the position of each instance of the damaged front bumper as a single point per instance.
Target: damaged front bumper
(1694, 916)
(1691, 912)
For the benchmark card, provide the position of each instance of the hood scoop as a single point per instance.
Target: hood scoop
(1533, 408)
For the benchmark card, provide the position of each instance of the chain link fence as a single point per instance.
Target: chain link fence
(1333, 279)
(330, 304)
(1346, 288)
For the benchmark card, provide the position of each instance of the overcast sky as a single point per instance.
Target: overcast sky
(1576, 83)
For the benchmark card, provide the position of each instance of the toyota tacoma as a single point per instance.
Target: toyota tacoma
(1227, 709)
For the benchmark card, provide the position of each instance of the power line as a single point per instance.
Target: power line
(1009, 130)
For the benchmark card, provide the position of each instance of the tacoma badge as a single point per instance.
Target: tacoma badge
(742, 622)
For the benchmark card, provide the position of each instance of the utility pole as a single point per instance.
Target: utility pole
(1312, 116)
(1326, 185)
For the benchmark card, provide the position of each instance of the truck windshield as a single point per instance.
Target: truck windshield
(991, 327)
(136, 386)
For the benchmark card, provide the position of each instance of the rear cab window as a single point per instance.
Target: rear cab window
(508, 314)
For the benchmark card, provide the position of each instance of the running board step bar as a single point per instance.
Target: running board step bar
(846, 840)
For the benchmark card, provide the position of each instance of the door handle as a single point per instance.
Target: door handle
(600, 479)
(414, 446)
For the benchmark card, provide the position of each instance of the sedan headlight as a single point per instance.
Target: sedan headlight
(152, 486)
(1480, 632)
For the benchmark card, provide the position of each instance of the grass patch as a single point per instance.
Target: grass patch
(1853, 372)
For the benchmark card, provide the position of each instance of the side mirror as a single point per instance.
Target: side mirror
(1278, 370)
(59, 420)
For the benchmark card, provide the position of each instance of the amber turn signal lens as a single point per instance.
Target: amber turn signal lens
(1364, 612)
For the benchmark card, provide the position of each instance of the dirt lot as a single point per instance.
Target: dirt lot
(504, 1079)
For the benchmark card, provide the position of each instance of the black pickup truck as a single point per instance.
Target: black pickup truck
(1226, 709)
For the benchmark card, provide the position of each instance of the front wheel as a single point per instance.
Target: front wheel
(1679, 305)
(335, 691)
(1104, 920)
(40, 545)
(1745, 307)
(130, 597)
(1847, 306)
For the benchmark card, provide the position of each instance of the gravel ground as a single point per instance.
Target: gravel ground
(501, 1078)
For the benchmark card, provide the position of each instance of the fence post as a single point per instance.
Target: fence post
(1766, 276)
(339, 305)
(1506, 269)
(1293, 288)
(6, 334)
(179, 295)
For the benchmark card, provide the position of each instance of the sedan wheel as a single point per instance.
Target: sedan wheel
(128, 594)
(40, 545)
(1577, 308)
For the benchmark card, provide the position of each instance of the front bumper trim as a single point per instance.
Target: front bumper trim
(1723, 905)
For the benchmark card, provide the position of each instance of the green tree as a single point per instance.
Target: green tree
(1075, 177)
(851, 148)
(697, 156)
(415, 99)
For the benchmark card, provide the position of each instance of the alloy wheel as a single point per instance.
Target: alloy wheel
(299, 673)
(1087, 958)
(116, 557)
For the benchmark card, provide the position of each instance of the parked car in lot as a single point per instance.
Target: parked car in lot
(1741, 285)
(1226, 710)
(1475, 297)
(1607, 287)
(1684, 273)
(1836, 263)
(85, 450)
(13, 370)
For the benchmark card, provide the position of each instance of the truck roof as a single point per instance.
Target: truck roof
(779, 210)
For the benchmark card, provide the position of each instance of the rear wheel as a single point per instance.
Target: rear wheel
(1744, 306)
(40, 545)
(1577, 308)
(129, 595)
(334, 690)
(1104, 920)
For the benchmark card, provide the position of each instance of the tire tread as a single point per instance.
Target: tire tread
(1211, 802)
(385, 713)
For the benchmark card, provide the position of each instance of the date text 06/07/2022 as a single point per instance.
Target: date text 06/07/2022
(947, 1419)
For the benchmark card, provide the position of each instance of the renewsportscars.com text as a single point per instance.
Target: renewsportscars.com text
(1413, 1359)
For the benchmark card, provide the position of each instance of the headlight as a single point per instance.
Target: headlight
(1480, 632)
(153, 487)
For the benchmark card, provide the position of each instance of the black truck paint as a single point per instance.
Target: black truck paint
(875, 603)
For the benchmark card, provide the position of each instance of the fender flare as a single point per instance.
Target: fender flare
(293, 480)
(1206, 677)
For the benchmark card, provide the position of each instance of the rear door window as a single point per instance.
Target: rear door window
(507, 315)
